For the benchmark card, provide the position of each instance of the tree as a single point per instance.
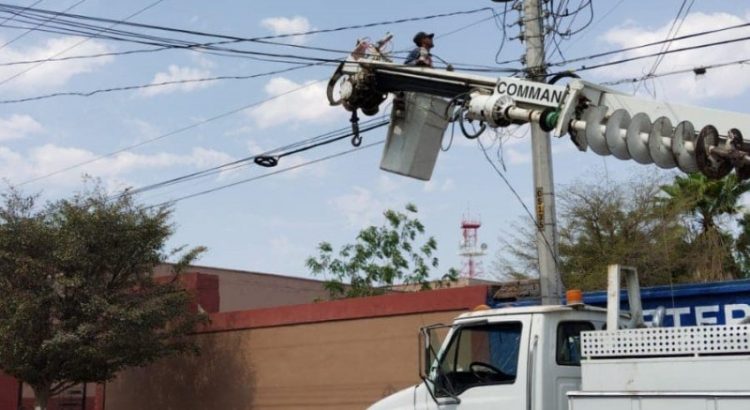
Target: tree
(603, 223)
(706, 205)
(517, 257)
(380, 258)
(79, 300)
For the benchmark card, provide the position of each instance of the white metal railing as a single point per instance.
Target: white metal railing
(665, 341)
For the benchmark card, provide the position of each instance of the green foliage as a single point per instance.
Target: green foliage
(605, 223)
(79, 301)
(709, 208)
(382, 256)
(683, 231)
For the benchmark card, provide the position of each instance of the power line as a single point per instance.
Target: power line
(31, 29)
(697, 70)
(269, 37)
(520, 200)
(290, 149)
(228, 38)
(168, 134)
(677, 50)
(645, 45)
(202, 47)
(604, 16)
(152, 85)
(676, 28)
(268, 174)
(78, 43)
(11, 17)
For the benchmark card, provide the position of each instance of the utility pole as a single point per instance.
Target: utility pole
(544, 191)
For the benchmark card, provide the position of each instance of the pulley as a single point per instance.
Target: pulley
(356, 91)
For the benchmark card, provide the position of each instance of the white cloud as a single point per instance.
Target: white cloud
(299, 104)
(51, 74)
(18, 126)
(434, 185)
(716, 83)
(285, 25)
(46, 159)
(387, 183)
(177, 73)
(360, 208)
(516, 157)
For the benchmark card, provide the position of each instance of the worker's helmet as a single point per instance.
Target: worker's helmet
(421, 35)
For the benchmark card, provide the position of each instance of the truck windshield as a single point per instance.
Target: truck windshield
(479, 355)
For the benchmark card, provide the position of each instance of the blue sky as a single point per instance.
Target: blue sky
(273, 224)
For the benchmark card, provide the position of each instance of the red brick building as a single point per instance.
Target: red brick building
(272, 343)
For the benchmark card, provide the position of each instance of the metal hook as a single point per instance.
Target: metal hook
(356, 138)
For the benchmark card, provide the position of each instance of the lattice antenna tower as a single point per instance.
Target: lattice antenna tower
(470, 249)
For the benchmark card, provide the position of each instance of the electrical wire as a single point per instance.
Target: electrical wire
(640, 46)
(268, 174)
(11, 17)
(166, 135)
(27, 32)
(152, 85)
(232, 39)
(280, 152)
(602, 18)
(673, 30)
(677, 50)
(76, 44)
(162, 43)
(696, 70)
(520, 200)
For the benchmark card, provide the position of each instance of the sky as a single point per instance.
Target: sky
(273, 224)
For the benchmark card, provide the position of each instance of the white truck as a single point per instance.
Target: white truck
(563, 357)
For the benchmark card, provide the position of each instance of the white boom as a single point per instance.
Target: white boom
(604, 120)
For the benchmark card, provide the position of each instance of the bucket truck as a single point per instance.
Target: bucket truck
(597, 118)
(569, 356)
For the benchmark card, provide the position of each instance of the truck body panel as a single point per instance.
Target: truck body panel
(659, 401)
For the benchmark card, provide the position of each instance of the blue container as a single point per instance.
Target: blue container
(714, 303)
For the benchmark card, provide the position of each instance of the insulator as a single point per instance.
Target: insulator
(595, 130)
(637, 138)
(659, 143)
(712, 166)
(617, 128)
(683, 146)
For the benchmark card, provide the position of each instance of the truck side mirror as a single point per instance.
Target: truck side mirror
(424, 353)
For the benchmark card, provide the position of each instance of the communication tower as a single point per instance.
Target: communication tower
(470, 248)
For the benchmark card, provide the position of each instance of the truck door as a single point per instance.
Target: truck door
(483, 366)
(567, 360)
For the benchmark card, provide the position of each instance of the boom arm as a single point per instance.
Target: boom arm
(604, 120)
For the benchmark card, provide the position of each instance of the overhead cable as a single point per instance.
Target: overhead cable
(268, 37)
(30, 30)
(77, 43)
(280, 152)
(152, 85)
(698, 70)
(676, 50)
(166, 135)
(268, 174)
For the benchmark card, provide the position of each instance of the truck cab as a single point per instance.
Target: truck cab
(517, 358)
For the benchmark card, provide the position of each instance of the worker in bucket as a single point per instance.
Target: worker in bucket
(421, 56)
